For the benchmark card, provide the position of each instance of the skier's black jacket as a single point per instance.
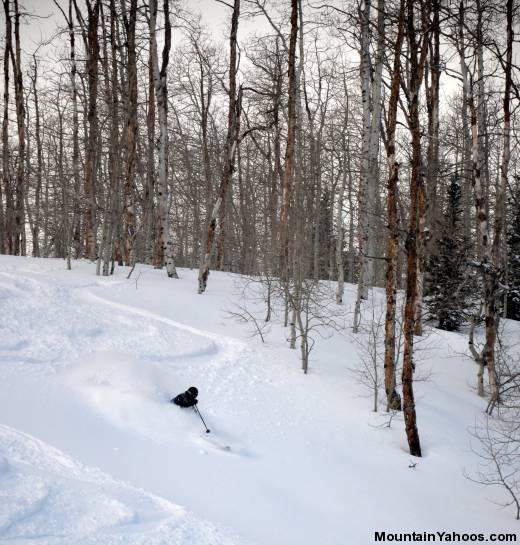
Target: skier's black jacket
(187, 398)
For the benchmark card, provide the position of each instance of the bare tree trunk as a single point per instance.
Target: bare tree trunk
(131, 131)
(497, 254)
(205, 97)
(113, 159)
(46, 219)
(288, 175)
(104, 199)
(39, 166)
(7, 227)
(432, 104)
(229, 151)
(416, 182)
(163, 242)
(5, 182)
(500, 206)
(28, 161)
(368, 195)
(297, 220)
(372, 181)
(277, 175)
(467, 173)
(351, 228)
(92, 45)
(476, 355)
(363, 214)
(159, 239)
(421, 256)
(339, 220)
(393, 398)
(64, 186)
(481, 103)
(76, 217)
(488, 273)
(19, 210)
(150, 163)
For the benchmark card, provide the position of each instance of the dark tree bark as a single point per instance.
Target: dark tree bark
(230, 148)
(131, 132)
(416, 71)
(497, 252)
(7, 227)
(19, 205)
(432, 105)
(393, 398)
(289, 151)
(76, 215)
(39, 165)
(507, 64)
(91, 40)
(114, 162)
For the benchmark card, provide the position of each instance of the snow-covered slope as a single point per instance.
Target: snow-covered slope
(88, 365)
(48, 497)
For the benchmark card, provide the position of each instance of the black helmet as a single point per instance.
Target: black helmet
(193, 391)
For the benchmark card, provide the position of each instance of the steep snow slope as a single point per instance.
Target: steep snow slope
(88, 365)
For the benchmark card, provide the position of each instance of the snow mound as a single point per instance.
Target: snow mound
(49, 498)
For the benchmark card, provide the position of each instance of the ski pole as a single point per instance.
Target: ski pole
(196, 409)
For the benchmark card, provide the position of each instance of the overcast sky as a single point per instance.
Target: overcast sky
(48, 18)
(215, 16)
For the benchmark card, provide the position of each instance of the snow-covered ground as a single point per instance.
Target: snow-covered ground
(92, 452)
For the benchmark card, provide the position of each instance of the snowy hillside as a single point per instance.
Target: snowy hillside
(91, 450)
(48, 497)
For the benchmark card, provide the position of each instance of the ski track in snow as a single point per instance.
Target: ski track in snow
(48, 498)
(108, 350)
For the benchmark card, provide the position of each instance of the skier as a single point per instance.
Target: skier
(187, 398)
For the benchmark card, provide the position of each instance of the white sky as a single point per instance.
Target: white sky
(48, 18)
(215, 16)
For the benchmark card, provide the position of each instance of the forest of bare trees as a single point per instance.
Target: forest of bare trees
(335, 141)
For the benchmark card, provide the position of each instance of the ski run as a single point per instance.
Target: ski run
(93, 452)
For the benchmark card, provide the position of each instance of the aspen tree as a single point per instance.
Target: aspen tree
(489, 277)
(164, 238)
(371, 84)
(289, 151)
(393, 398)
(131, 132)
(416, 71)
(6, 218)
(230, 148)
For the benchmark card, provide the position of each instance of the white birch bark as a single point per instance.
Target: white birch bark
(487, 355)
(159, 76)
(365, 75)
